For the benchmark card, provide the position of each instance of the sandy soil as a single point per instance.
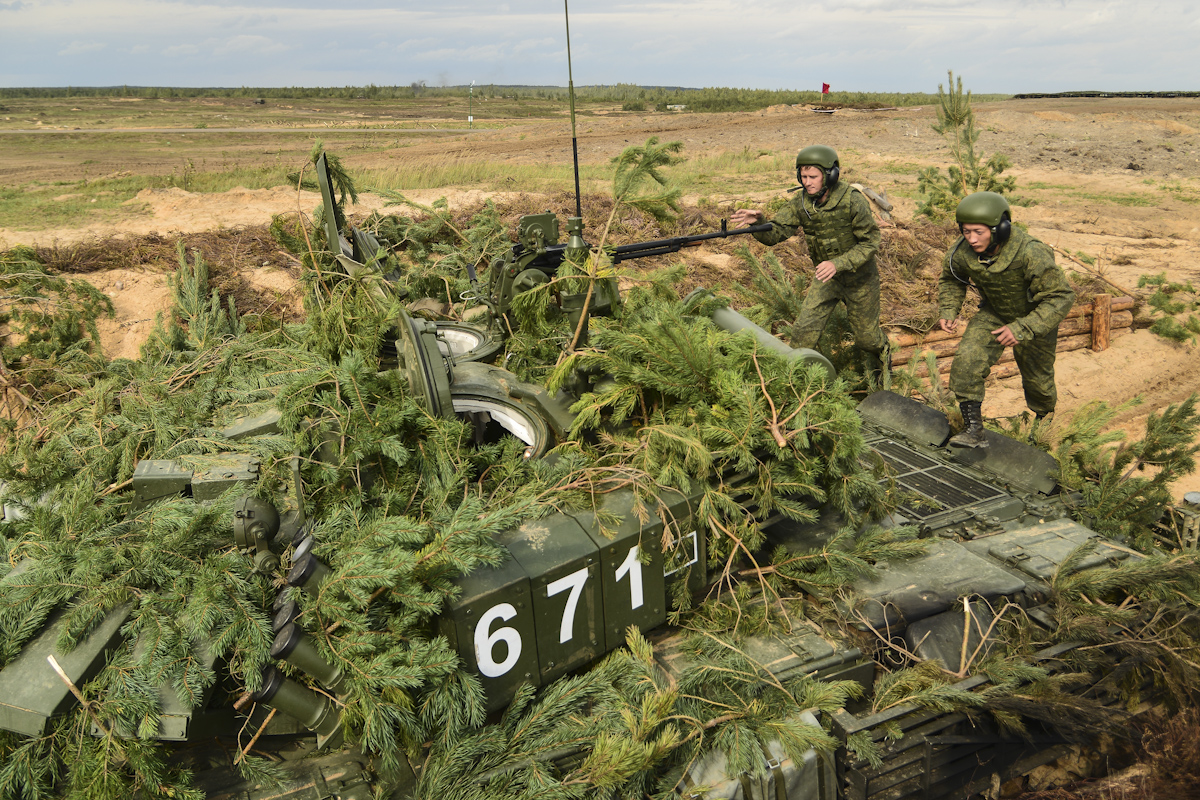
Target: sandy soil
(1076, 157)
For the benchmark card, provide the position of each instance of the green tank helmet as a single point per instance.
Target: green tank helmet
(986, 208)
(824, 157)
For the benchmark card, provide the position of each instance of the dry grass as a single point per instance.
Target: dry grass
(910, 262)
(1167, 768)
(909, 259)
(229, 253)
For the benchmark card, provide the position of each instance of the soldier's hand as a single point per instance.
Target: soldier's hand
(948, 325)
(1005, 336)
(825, 271)
(745, 216)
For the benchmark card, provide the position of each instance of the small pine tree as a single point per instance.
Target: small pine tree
(1168, 302)
(638, 182)
(969, 173)
(1126, 486)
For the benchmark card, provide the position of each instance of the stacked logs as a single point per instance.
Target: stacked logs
(1091, 325)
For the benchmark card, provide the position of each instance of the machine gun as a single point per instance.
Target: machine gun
(536, 257)
(660, 247)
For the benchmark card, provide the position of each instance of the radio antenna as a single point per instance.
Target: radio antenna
(571, 95)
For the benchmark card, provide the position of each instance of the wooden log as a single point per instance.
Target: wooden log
(938, 335)
(1101, 322)
(941, 349)
(1065, 344)
(1069, 327)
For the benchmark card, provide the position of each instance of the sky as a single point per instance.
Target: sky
(853, 45)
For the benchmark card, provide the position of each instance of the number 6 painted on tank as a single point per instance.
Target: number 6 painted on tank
(486, 642)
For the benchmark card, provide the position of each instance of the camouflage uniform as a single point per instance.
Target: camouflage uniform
(841, 230)
(1022, 288)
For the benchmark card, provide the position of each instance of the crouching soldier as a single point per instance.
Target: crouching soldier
(1023, 295)
(842, 239)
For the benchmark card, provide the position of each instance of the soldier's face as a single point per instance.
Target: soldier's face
(978, 236)
(812, 179)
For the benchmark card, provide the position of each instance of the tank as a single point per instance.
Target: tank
(599, 584)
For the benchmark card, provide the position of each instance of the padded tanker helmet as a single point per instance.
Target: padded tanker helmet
(986, 208)
(823, 157)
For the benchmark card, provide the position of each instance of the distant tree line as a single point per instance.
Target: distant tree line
(629, 96)
(1091, 93)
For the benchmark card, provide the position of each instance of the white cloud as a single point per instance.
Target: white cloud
(248, 44)
(180, 50)
(81, 48)
(546, 45)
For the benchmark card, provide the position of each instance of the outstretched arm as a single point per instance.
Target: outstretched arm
(783, 226)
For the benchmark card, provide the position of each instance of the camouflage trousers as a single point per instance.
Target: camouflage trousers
(860, 292)
(979, 350)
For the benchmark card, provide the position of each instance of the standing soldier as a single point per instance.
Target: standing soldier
(1023, 295)
(842, 239)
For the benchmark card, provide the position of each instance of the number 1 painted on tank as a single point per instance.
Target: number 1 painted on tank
(632, 567)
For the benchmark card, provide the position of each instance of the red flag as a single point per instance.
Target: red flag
(824, 88)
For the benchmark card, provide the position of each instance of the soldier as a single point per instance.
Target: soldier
(1023, 295)
(842, 239)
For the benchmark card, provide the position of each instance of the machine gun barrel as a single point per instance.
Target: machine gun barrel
(660, 247)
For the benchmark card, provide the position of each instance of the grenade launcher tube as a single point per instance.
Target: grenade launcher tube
(733, 322)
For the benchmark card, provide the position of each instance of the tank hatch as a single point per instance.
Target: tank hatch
(906, 417)
(1038, 549)
(1023, 466)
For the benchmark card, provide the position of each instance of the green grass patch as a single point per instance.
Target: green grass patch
(1040, 185)
(485, 175)
(103, 200)
(264, 177)
(731, 171)
(907, 191)
(1067, 192)
(898, 168)
(733, 167)
(490, 100)
(56, 205)
(1126, 199)
(1186, 194)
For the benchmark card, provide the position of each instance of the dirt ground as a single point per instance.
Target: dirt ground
(1116, 178)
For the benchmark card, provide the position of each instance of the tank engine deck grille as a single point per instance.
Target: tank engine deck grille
(943, 487)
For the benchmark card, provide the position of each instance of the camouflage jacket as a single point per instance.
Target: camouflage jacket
(842, 230)
(1023, 286)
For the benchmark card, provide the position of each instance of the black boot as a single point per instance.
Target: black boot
(972, 434)
(873, 365)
